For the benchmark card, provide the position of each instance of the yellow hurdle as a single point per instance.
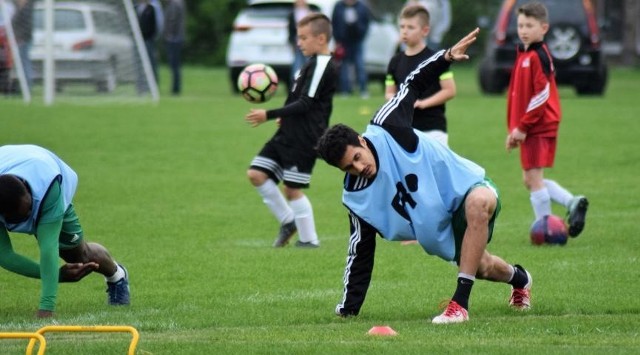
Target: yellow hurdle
(83, 328)
(33, 337)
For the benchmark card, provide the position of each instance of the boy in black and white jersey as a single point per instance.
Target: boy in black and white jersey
(290, 154)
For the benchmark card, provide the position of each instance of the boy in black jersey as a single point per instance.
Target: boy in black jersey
(290, 154)
(429, 113)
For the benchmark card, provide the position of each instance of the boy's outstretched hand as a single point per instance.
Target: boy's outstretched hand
(458, 51)
(255, 117)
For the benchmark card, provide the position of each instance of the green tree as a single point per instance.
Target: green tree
(209, 24)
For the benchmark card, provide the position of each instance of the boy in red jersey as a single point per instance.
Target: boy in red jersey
(533, 117)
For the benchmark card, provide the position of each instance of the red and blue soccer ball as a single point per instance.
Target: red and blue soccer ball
(549, 229)
(257, 83)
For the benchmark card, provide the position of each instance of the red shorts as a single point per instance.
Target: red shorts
(537, 152)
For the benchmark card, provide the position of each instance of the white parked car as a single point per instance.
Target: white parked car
(92, 44)
(260, 35)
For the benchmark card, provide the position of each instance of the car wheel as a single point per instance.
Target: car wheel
(595, 85)
(108, 83)
(563, 41)
(491, 80)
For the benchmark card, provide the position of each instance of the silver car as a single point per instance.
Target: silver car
(260, 35)
(92, 44)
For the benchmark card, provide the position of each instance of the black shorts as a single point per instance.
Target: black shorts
(281, 162)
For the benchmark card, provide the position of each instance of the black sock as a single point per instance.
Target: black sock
(461, 296)
(519, 279)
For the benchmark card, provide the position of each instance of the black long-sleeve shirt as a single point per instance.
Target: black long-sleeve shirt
(305, 115)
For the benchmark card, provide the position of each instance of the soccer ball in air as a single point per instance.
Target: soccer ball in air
(258, 83)
(549, 229)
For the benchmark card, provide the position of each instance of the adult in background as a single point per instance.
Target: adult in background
(300, 10)
(175, 16)
(148, 28)
(350, 20)
(36, 194)
(22, 22)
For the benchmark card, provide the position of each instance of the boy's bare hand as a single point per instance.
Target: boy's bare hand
(255, 117)
(514, 139)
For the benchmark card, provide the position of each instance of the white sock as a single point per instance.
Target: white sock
(117, 276)
(513, 273)
(558, 193)
(466, 276)
(541, 203)
(275, 201)
(304, 220)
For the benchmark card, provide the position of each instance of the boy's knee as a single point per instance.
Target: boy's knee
(292, 193)
(256, 177)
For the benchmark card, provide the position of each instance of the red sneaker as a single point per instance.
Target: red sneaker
(521, 297)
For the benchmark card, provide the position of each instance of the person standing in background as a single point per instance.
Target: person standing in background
(440, 12)
(157, 7)
(350, 26)
(174, 38)
(533, 118)
(148, 28)
(300, 10)
(429, 114)
(22, 22)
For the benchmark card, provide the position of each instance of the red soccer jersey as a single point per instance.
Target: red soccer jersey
(533, 105)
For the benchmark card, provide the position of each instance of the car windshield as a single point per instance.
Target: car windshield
(65, 20)
(268, 11)
(271, 11)
(560, 11)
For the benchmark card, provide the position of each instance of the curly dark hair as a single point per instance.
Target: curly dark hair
(333, 143)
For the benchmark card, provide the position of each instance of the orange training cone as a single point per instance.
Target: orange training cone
(382, 330)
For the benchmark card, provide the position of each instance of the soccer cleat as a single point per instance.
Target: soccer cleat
(577, 215)
(521, 297)
(118, 292)
(306, 245)
(454, 313)
(287, 231)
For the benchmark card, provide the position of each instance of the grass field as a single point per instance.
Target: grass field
(163, 187)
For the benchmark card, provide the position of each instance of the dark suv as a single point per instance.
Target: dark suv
(573, 40)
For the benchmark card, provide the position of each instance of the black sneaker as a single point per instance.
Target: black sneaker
(307, 245)
(287, 231)
(577, 215)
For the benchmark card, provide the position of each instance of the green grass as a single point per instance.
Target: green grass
(163, 186)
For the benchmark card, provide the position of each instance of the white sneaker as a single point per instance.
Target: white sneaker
(453, 314)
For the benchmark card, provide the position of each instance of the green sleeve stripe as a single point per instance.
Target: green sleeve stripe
(389, 80)
(446, 75)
